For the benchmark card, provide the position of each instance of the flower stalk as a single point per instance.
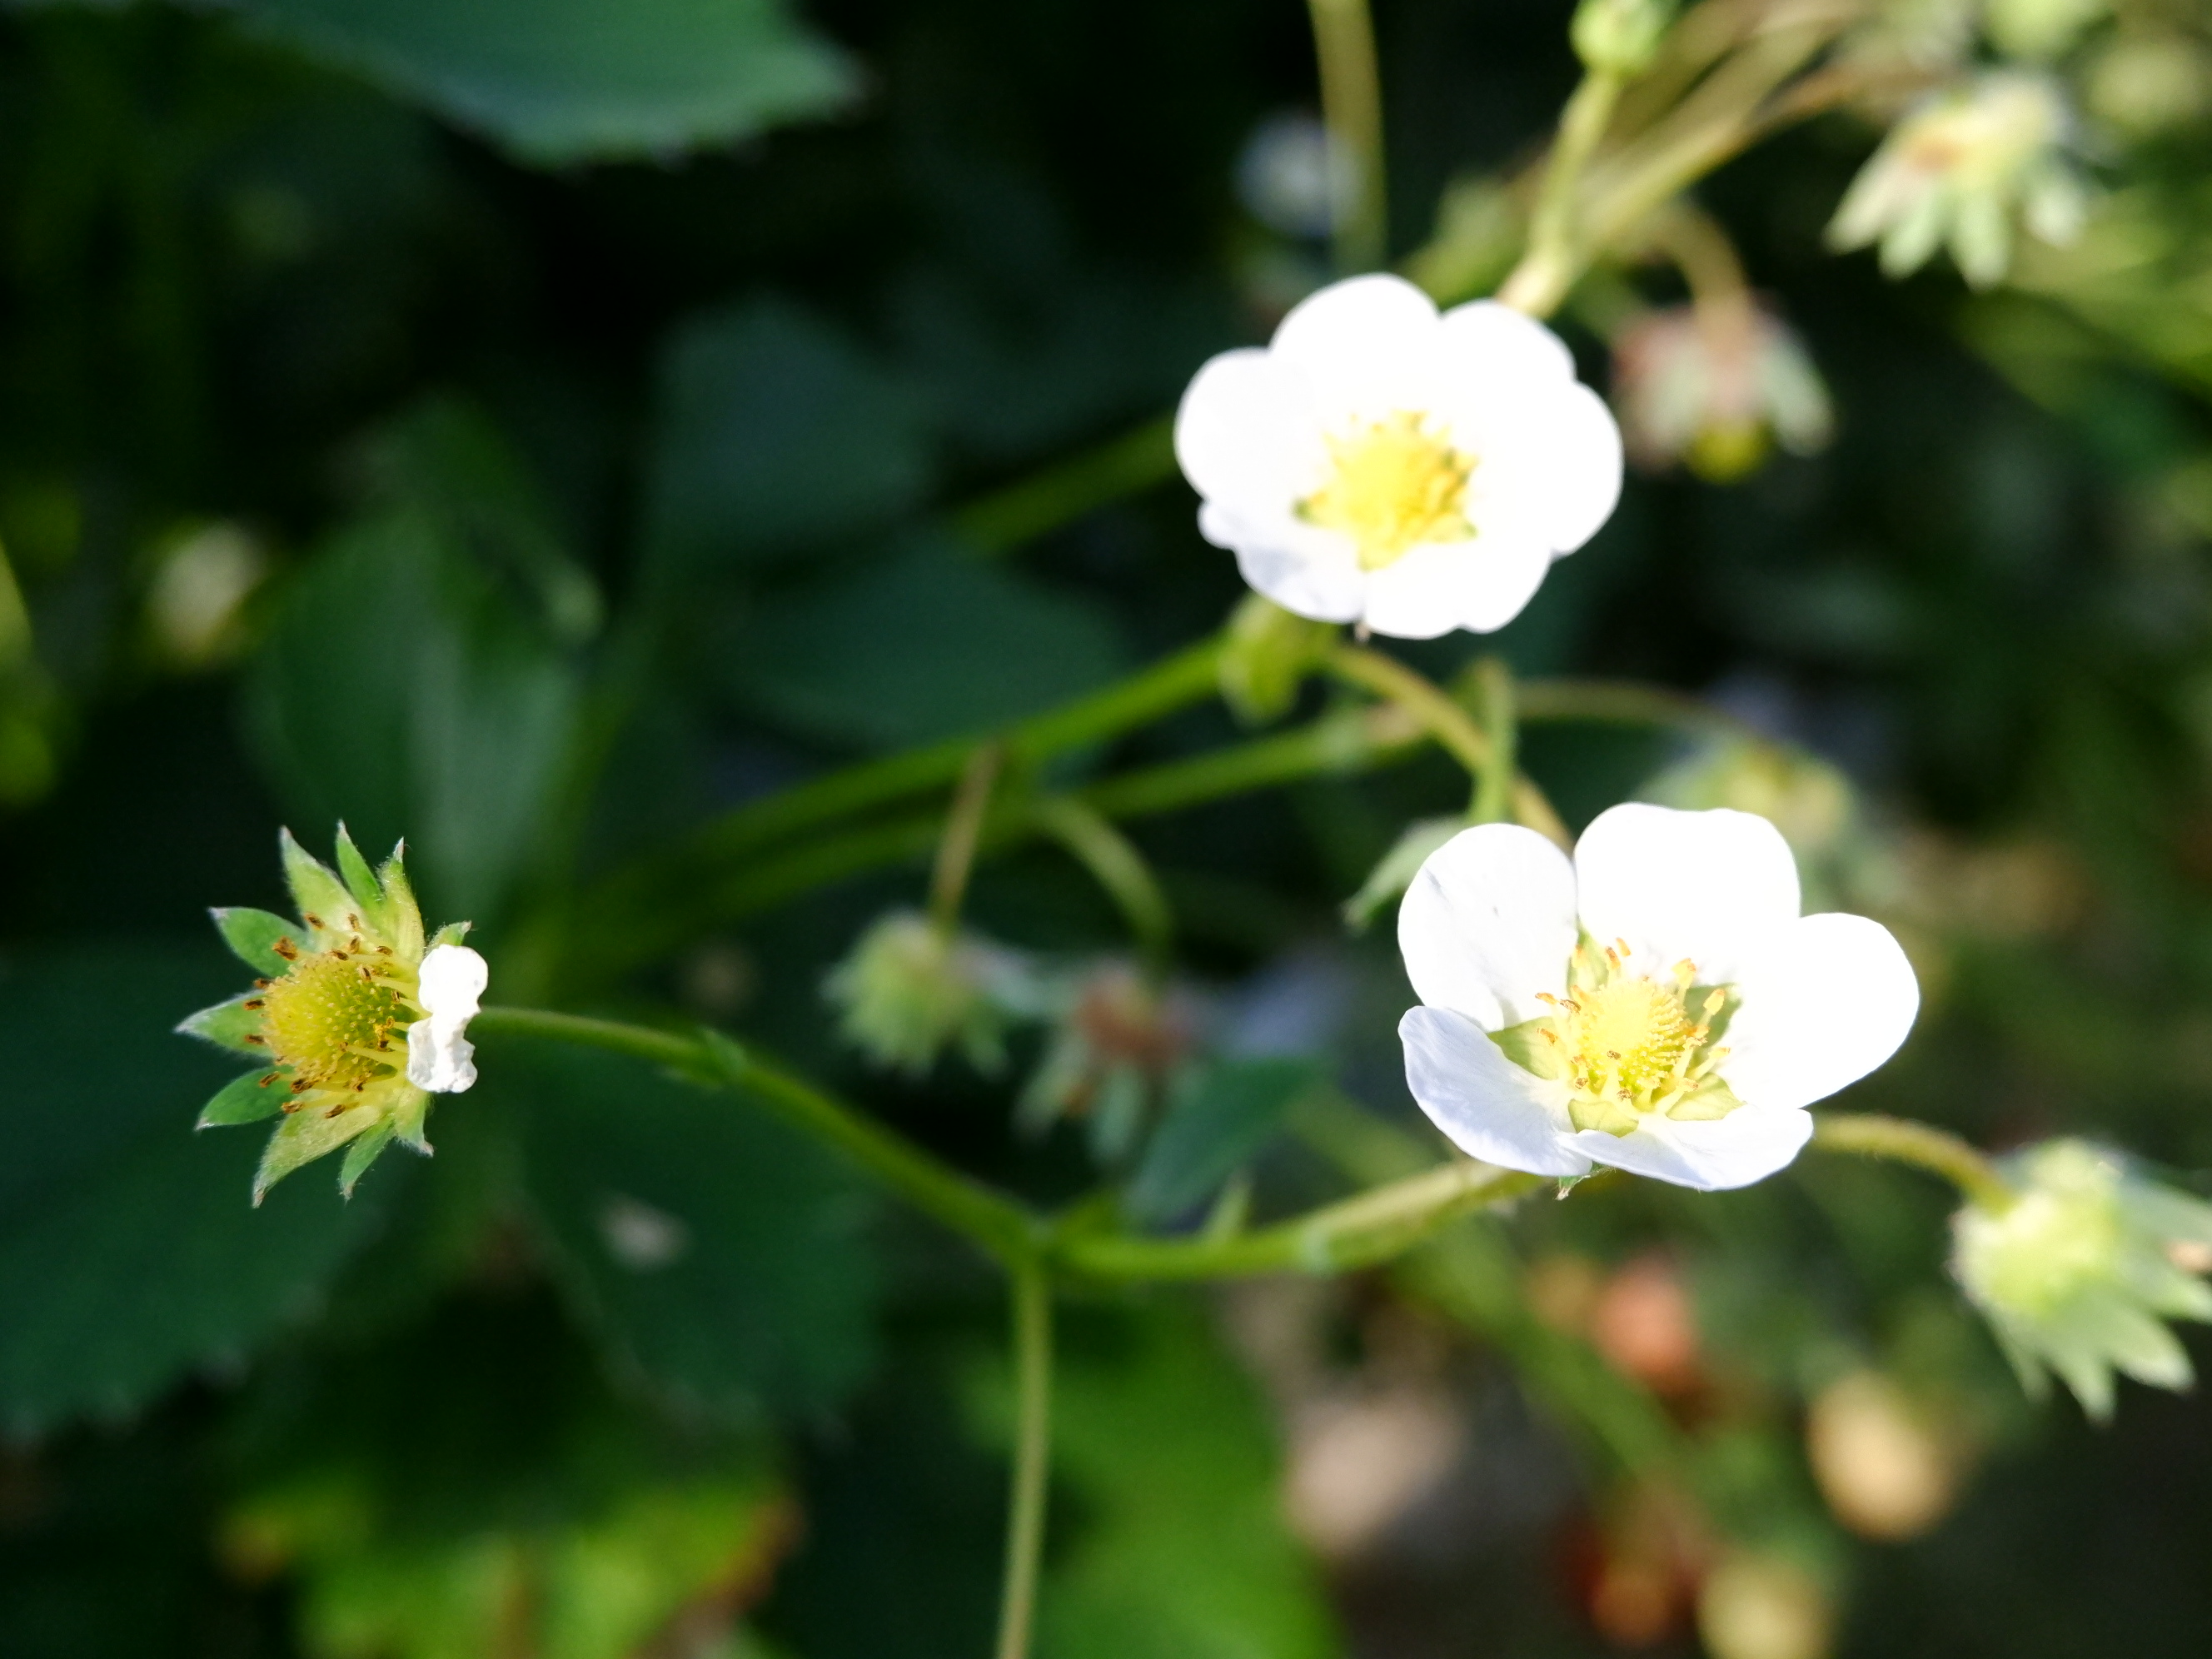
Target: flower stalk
(1901, 1140)
(1352, 108)
(1030, 1293)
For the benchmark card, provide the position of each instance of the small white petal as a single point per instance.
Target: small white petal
(1583, 467)
(1245, 434)
(1748, 1145)
(1364, 345)
(1325, 588)
(1830, 1000)
(1488, 1106)
(1507, 348)
(439, 1057)
(1717, 887)
(1488, 923)
(452, 979)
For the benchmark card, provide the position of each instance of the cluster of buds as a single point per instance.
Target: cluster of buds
(2079, 1272)
(1960, 170)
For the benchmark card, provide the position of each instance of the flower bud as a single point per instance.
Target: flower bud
(1960, 170)
(1619, 37)
(2077, 1274)
(910, 989)
(1120, 1043)
(1267, 656)
(1715, 390)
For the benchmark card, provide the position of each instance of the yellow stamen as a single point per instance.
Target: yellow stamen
(1395, 485)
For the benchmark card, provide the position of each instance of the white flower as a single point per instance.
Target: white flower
(1658, 1004)
(440, 1056)
(1378, 463)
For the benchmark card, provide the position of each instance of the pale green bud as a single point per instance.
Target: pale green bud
(1960, 171)
(2038, 29)
(1619, 37)
(2078, 1273)
(910, 989)
(1267, 656)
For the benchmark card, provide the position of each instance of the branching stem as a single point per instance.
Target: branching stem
(1031, 1295)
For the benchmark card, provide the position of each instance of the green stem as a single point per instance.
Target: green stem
(1022, 512)
(1118, 867)
(1031, 1288)
(1901, 1140)
(1555, 255)
(1494, 691)
(1357, 1232)
(1452, 727)
(1624, 702)
(997, 1226)
(964, 828)
(1351, 106)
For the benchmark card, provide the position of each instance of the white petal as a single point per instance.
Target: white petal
(1582, 468)
(439, 1057)
(1828, 1001)
(452, 979)
(1715, 887)
(1488, 1107)
(1507, 348)
(1748, 1145)
(1325, 588)
(1364, 345)
(1489, 922)
(1246, 433)
(1480, 584)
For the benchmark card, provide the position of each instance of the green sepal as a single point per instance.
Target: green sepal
(403, 915)
(453, 932)
(360, 881)
(409, 1119)
(1609, 1115)
(304, 1136)
(253, 936)
(1266, 654)
(1525, 1045)
(362, 1153)
(247, 1099)
(315, 888)
(1712, 1100)
(229, 1025)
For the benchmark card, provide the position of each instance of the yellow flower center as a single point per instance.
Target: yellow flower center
(335, 1019)
(1630, 1044)
(1395, 485)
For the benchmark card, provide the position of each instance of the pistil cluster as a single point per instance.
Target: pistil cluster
(1397, 484)
(1632, 1043)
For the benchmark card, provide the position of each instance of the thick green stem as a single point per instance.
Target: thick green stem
(1903, 1141)
(1370, 1227)
(1493, 694)
(1624, 702)
(1031, 1292)
(1022, 512)
(1351, 106)
(1001, 1227)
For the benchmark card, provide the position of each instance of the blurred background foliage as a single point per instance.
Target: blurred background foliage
(537, 429)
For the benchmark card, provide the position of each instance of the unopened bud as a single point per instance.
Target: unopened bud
(1619, 37)
(1267, 656)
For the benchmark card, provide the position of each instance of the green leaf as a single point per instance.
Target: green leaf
(1219, 1118)
(562, 81)
(253, 935)
(776, 433)
(1180, 1551)
(929, 644)
(721, 1256)
(231, 1025)
(129, 1254)
(363, 1152)
(247, 1099)
(461, 735)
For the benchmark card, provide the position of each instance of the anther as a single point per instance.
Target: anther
(255, 1002)
(311, 921)
(256, 1039)
(1546, 996)
(353, 921)
(298, 1085)
(263, 984)
(1621, 945)
(271, 1078)
(286, 949)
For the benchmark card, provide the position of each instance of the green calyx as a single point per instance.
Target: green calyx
(326, 1023)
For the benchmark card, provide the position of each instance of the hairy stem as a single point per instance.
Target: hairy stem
(1555, 255)
(1032, 1296)
(1901, 1140)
